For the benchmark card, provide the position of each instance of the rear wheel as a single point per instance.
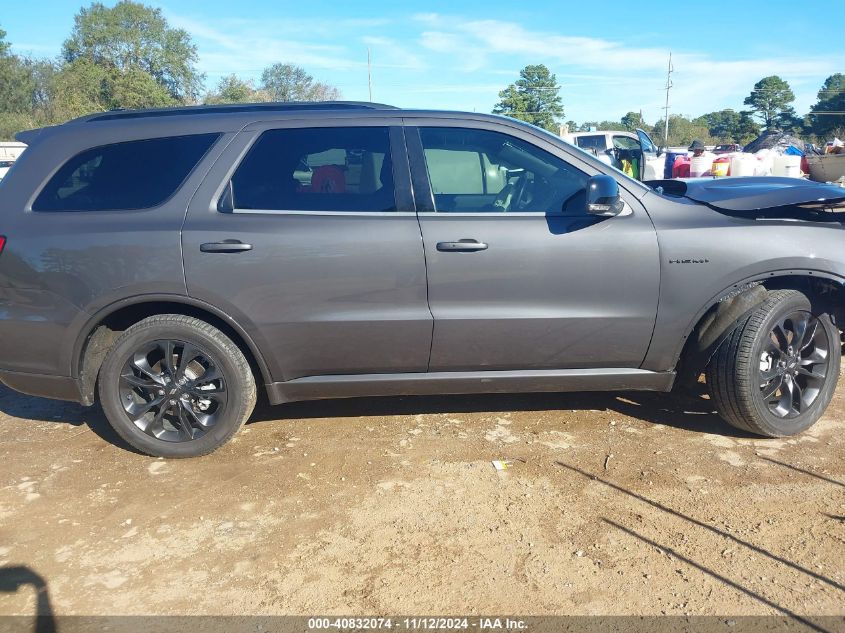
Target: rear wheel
(777, 371)
(175, 386)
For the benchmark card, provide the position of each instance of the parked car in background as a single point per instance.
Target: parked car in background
(170, 263)
(5, 165)
(9, 153)
(727, 148)
(612, 147)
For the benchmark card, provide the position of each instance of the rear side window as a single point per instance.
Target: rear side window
(597, 142)
(122, 176)
(317, 169)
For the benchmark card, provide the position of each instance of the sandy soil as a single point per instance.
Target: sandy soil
(624, 504)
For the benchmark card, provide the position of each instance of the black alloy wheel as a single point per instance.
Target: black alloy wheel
(794, 364)
(776, 372)
(173, 390)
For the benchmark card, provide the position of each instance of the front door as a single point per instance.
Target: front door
(519, 276)
(307, 237)
(653, 159)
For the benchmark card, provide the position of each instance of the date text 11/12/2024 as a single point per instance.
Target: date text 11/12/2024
(417, 623)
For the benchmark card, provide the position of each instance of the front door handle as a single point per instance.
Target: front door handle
(461, 246)
(226, 246)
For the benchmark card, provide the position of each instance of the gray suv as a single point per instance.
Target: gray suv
(166, 262)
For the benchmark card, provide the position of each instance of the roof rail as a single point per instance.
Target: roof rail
(236, 108)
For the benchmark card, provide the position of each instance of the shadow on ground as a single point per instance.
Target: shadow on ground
(687, 412)
(22, 406)
(13, 579)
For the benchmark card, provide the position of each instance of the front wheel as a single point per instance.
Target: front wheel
(777, 371)
(175, 386)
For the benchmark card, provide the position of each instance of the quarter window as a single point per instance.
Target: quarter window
(121, 176)
(481, 171)
(317, 169)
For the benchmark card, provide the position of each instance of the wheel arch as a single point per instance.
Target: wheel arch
(97, 335)
(717, 318)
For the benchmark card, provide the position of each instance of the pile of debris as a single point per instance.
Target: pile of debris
(774, 140)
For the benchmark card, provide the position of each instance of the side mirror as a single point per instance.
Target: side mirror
(603, 196)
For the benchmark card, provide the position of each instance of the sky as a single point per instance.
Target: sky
(609, 57)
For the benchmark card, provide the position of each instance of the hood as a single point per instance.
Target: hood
(755, 193)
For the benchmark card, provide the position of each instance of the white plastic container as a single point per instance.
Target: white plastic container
(743, 165)
(765, 162)
(787, 166)
(700, 165)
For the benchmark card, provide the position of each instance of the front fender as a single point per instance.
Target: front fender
(675, 327)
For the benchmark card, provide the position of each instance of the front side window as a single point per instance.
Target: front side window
(123, 176)
(474, 171)
(317, 169)
(645, 142)
(625, 142)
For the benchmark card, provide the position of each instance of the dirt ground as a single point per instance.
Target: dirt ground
(624, 504)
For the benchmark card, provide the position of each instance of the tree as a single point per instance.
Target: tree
(83, 86)
(17, 77)
(534, 98)
(770, 100)
(16, 81)
(682, 131)
(24, 90)
(827, 116)
(747, 129)
(632, 121)
(324, 92)
(608, 126)
(729, 126)
(131, 37)
(286, 82)
(233, 89)
(4, 45)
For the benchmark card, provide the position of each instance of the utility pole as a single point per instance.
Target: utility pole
(666, 108)
(369, 74)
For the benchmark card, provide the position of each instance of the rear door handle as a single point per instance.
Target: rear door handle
(461, 246)
(226, 246)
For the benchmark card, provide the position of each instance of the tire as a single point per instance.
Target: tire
(185, 408)
(761, 357)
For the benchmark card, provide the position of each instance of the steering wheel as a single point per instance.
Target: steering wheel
(509, 198)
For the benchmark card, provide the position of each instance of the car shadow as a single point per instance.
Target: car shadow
(19, 405)
(691, 412)
(37, 409)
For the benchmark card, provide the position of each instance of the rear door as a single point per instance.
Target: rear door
(305, 233)
(519, 276)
